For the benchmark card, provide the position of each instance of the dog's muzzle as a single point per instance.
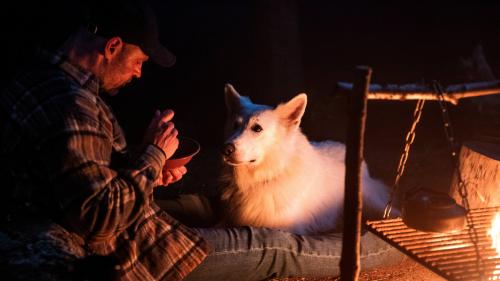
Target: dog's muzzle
(228, 149)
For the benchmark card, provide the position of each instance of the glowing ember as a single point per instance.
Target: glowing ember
(494, 232)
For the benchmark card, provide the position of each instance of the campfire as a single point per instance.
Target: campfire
(494, 233)
(459, 255)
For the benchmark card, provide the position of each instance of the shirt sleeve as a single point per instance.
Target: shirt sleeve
(96, 200)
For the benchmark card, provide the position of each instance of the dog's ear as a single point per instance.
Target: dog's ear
(293, 110)
(233, 99)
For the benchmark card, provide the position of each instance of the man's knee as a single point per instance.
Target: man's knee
(191, 209)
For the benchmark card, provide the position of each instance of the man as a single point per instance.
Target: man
(73, 185)
(66, 151)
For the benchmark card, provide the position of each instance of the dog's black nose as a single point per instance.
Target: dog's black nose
(228, 149)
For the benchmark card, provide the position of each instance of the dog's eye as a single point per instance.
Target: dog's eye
(256, 128)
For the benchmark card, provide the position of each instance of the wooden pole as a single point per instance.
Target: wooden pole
(350, 260)
(452, 93)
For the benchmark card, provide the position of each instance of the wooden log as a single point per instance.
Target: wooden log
(452, 93)
(480, 170)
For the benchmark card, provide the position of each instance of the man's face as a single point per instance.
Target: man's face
(122, 68)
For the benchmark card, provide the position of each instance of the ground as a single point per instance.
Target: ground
(408, 270)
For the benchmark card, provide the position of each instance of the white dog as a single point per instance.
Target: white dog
(276, 178)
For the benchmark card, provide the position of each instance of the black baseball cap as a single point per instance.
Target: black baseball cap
(134, 22)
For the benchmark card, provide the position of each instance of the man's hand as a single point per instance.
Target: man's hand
(169, 176)
(162, 133)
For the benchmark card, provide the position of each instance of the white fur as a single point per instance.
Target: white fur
(277, 178)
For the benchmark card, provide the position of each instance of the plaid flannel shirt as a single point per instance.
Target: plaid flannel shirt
(59, 138)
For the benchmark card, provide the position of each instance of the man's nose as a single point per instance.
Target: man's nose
(138, 72)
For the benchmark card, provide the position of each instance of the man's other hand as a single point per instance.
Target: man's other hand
(169, 176)
(162, 133)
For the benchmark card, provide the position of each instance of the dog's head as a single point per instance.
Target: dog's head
(253, 131)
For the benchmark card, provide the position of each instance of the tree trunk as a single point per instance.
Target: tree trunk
(278, 54)
(480, 171)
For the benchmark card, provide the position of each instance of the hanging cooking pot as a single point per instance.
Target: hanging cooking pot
(432, 211)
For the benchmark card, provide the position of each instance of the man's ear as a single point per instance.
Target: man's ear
(292, 111)
(113, 46)
(233, 99)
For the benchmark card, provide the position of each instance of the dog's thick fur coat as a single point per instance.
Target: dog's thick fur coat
(275, 177)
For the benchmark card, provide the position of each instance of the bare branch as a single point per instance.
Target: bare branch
(452, 93)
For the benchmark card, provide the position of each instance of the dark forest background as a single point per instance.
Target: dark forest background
(272, 50)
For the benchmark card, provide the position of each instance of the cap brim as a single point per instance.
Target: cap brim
(160, 55)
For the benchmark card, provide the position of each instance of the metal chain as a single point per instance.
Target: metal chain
(462, 189)
(410, 137)
(450, 136)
